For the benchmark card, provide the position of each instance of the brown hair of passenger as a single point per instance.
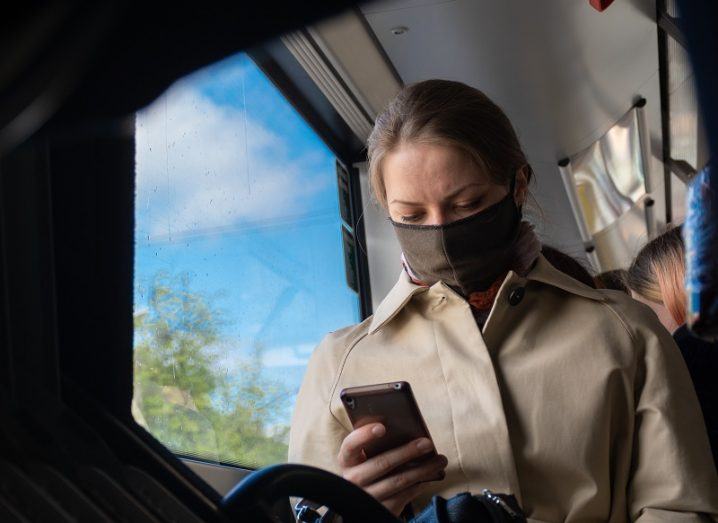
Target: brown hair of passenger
(656, 278)
(451, 114)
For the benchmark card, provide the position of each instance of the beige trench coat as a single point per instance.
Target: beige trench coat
(575, 400)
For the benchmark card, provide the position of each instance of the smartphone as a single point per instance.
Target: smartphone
(394, 406)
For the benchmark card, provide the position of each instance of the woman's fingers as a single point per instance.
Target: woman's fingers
(375, 475)
(351, 452)
(382, 464)
(393, 484)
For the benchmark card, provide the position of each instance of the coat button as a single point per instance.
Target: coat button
(516, 296)
(440, 301)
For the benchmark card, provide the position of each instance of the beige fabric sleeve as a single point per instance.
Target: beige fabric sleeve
(674, 478)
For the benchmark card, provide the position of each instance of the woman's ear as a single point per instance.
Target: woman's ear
(521, 186)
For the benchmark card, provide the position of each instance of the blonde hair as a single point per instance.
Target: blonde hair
(658, 272)
(448, 113)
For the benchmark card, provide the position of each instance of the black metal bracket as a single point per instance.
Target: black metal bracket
(663, 35)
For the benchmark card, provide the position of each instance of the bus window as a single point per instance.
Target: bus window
(239, 269)
(686, 135)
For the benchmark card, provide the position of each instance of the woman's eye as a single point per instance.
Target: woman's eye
(413, 218)
(469, 205)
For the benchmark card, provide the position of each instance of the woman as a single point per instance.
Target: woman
(656, 279)
(530, 382)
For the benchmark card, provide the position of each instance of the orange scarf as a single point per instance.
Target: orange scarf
(484, 300)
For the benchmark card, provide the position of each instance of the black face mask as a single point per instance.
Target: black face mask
(469, 254)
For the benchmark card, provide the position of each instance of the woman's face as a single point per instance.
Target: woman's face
(431, 184)
(664, 315)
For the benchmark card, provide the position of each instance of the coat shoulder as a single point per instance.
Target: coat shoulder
(336, 342)
(328, 356)
(638, 319)
(347, 336)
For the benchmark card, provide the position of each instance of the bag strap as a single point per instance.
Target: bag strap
(465, 508)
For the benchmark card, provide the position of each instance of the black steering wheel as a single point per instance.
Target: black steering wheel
(252, 499)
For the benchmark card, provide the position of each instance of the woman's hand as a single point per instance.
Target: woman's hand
(393, 489)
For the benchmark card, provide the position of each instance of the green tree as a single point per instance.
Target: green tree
(185, 394)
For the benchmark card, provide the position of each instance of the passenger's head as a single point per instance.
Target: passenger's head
(614, 280)
(656, 278)
(442, 151)
(568, 265)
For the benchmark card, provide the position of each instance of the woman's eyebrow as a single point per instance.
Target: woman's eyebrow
(448, 197)
(468, 185)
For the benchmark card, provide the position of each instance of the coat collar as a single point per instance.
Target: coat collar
(398, 296)
(404, 290)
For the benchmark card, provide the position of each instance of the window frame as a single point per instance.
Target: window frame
(300, 91)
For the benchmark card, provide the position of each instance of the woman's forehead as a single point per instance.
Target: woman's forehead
(440, 166)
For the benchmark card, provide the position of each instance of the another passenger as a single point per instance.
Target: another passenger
(656, 279)
(530, 382)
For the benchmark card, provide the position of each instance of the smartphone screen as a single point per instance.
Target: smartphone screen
(391, 404)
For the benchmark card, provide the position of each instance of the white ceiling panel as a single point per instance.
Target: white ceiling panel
(395, 5)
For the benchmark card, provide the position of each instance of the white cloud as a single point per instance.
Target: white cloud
(202, 165)
(288, 356)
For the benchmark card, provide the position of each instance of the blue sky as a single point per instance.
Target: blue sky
(234, 188)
